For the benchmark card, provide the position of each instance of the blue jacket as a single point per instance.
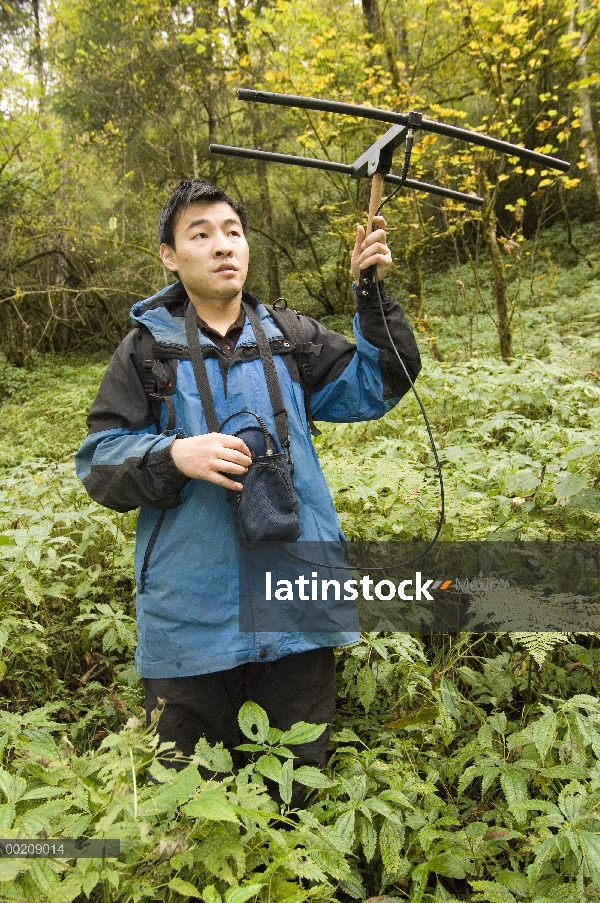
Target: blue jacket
(186, 556)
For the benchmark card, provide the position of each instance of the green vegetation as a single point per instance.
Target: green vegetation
(462, 768)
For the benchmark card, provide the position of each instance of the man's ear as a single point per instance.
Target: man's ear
(167, 255)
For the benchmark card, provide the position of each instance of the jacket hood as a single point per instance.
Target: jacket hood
(164, 315)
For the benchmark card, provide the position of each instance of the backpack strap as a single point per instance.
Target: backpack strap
(291, 326)
(156, 379)
(279, 410)
(199, 367)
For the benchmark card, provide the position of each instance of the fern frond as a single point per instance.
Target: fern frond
(540, 645)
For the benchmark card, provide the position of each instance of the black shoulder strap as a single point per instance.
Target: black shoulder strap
(155, 379)
(291, 326)
(199, 367)
(273, 387)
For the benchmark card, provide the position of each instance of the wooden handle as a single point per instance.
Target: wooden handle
(375, 200)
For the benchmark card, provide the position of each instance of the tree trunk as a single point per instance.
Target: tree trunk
(504, 324)
(36, 49)
(261, 168)
(267, 214)
(417, 300)
(373, 20)
(589, 143)
(212, 139)
(376, 27)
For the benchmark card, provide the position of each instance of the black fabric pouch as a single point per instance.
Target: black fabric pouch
(267, 509)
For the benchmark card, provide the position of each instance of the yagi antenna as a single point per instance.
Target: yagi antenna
(376, 161)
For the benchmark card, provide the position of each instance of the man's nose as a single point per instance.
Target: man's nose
(223, 248)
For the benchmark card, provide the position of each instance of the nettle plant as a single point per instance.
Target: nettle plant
(450, 798)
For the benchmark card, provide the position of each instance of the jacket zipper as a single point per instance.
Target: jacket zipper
(150, 549)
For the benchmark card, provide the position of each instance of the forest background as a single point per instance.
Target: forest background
(462, 767)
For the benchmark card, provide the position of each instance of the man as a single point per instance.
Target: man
(190, 649)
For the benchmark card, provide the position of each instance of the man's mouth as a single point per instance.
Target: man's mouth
(227, 268)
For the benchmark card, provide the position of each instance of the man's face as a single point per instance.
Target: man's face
(211, 252)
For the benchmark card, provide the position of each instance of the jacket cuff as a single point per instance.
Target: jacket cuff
(363, 304)
(165, 469)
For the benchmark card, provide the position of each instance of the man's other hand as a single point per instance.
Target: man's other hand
(371, 249)
(211, 457)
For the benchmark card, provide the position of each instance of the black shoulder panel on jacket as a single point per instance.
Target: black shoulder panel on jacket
(333, 358)
(122, 402)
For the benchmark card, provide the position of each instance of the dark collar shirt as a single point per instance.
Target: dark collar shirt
(226, 343)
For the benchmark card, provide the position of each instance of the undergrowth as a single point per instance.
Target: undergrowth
(461, 768)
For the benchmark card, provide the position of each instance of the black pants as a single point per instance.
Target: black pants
(299, 687)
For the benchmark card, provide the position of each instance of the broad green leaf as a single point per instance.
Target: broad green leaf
(212, 806)
(523, 483)
(10, 868)
(210, 894)
(469, 775)
(183, 887)
(368, 837)
(7, 815)
(160, 773)
(589, 500)
(485, 736)
(242, 893)
(514, 785)
(301, 732)
(391, 840)
(353, 886)
(590, 847)
(568, 484)
(571, 802)
(312, 777)
(491, 892)
(43, 877)
(186, 783)
(498, 722)
(565, 772)
(345, 736)
(375, 804)
(67, 891)
(286, 785)
(516, 882)
(419, 877)
(215, 758)
(12, 786)
(40, 793)
(253, 722)
(543, 853)
(366, 686)
(89, 881)
(345, 827)
(270, 767)
(448, 864)
(544, 732)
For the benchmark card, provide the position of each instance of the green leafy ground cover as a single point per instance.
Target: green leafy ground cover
(462, 768)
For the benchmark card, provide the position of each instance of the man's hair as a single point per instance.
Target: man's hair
(188, 192)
